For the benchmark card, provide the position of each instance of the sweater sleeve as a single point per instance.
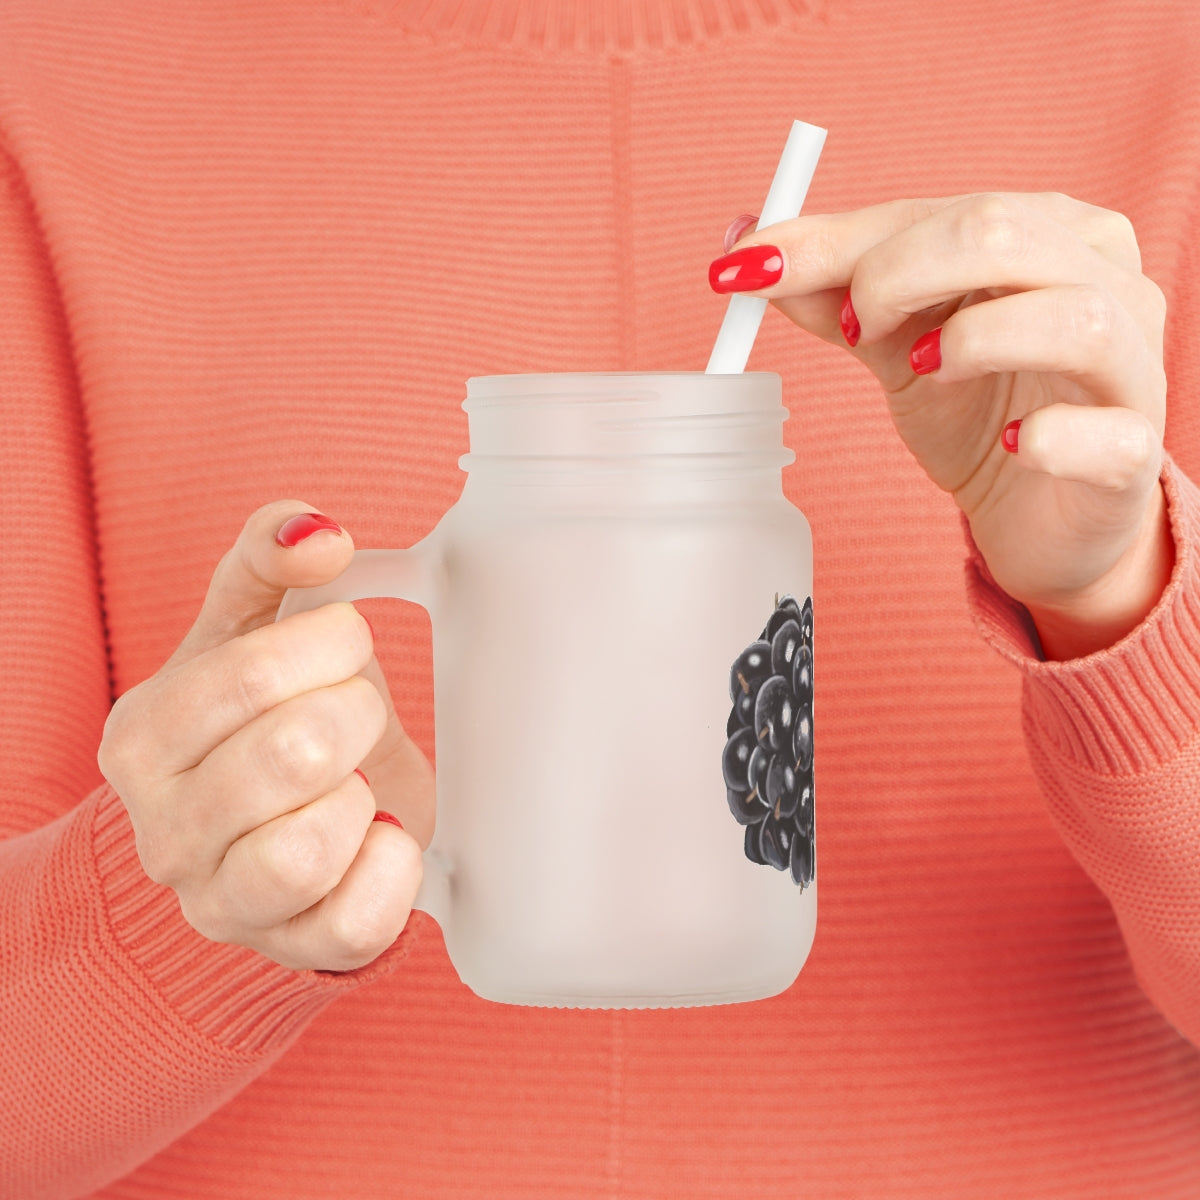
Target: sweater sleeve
(1114, 739)
(120, 1027)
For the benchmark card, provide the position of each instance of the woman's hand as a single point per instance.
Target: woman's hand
(977, 313)
(237, 762)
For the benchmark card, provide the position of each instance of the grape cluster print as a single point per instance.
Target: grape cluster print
(768, 758)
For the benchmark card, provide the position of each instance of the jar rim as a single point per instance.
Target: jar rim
(572, 385)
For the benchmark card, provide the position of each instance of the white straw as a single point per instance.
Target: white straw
(788, 189)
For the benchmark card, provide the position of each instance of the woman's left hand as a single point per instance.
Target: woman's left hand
(979, 312)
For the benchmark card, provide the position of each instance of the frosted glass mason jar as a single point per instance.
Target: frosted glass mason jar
(622, 646)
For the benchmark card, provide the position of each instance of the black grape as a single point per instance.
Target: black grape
(736, 760)
(777, 838)
(786, 610)
(806, 622)
(753, 844)
(784, 645)
(758, 769)
(802, 675)
(802, 739)
(774, 713)
(748, 809)
(783, 793)
(749, 669)
(803, 860)
(803, 819)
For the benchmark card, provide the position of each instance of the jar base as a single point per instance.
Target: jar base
(593, 1000)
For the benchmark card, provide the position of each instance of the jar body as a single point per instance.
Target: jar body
(585, 621)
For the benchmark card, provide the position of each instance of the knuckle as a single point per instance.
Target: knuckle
(993, 226)
(258, 679)
(1059, 206)
(297, 859)
(1127, 451)
(120, 753)
(817, 254)
(1090, 318)
(112, 753)
(339, 629)
(1117, 229)
(298, 751)
(1112, 234)
(209, 918)
(1141, 446)
(360, 934)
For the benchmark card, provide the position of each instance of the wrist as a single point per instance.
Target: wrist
(1113, 606)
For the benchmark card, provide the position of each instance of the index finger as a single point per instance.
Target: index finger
(191, 708)
(821, 250)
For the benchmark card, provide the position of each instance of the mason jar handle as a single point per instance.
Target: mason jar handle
(400, 575)
(395, 574)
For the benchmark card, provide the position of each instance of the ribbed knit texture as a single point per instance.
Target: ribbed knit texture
(252, 251)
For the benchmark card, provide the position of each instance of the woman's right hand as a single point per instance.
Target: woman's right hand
(237, 762)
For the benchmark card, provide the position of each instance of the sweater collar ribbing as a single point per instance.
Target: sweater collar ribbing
(617, 26)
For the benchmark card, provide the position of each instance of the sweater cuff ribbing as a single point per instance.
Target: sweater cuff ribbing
(1130, 707)
(235, 997)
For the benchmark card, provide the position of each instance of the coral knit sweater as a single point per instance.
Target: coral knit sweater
(253, 250)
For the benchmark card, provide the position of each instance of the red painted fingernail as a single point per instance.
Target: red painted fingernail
(1009, 436)
(926, 353)
(380, 815)
(851, 330)
(295, 529)
(737, 227)
(746, 270)
(362, 777)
